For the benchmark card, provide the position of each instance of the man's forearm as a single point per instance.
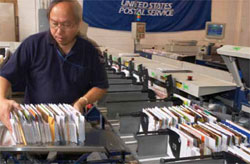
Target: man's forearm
(4, 87)
(94, 94)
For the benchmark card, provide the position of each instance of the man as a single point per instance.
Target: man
(58, 66)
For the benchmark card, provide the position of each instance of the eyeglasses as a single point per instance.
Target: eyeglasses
(62, 26)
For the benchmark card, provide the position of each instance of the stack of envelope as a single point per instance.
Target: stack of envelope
(206, 138)
(165, 117)
(47, 124)
(200, 132)
(160, 91)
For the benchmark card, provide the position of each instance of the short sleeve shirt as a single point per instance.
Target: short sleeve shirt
(51, 77)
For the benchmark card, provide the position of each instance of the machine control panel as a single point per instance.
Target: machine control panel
(138, 30)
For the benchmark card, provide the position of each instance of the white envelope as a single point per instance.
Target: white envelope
(6, 138)
(81, 129)
(72, 133)
(181, 120)
(160, 117)
(217, 127)
(174, 118)
(167, 120)
(222, 144)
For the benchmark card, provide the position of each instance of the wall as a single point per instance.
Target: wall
(243, 24)
(15, 20)
(7, 22)
(235, 13)
(27, 18)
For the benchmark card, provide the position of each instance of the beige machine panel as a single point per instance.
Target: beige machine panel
(7, 22)
(138, 30)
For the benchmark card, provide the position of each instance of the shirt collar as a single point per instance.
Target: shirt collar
(51, 41)
(50, 38)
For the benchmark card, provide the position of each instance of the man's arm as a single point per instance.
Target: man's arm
(90, 97)
(6, 105)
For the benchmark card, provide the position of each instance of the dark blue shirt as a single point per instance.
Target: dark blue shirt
(50, 76)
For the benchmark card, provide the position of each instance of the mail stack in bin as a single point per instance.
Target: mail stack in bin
(47, 124)
(199, 131)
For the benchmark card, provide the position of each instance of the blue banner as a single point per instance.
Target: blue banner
(159, 15)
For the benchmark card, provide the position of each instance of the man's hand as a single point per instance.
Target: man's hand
(90, 97)
(6, 106)
(80, 104)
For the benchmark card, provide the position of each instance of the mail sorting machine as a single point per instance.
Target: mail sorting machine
(134, 66)
(160, 135)
(115, 67)
(113, 61)
(237, 60)
(211, 87)
(203, 82)
(122, 122)
(204, 85)
(120, 87)
(154, 87)
(118, 107)
(127, 127)
(125, 82)
(96, 145)
(124, 101)
(182, 56)
(194, 80)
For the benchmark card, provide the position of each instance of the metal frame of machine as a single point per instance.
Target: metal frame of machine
(237, 59)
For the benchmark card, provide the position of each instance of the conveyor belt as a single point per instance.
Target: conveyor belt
(114, 76)
(119, 107)
(128, 96)
(122, 96)
(119, 81)
(125, 88)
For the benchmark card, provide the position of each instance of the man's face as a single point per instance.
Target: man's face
(63, 25)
